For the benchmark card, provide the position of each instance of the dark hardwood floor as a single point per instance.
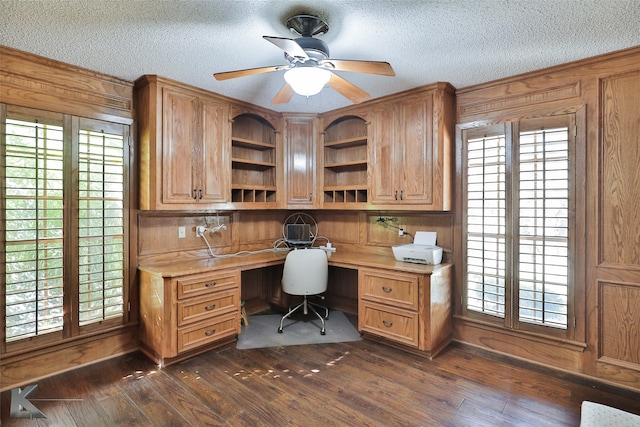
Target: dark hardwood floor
(348, 384)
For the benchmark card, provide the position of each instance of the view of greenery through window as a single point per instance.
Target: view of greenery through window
(38, 179)
(536, 271)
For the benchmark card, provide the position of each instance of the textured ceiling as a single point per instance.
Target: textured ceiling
(464, 42)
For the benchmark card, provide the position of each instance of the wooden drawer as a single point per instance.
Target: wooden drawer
(389, 322)
(195, 309)
(389, 287)
(203, 284)
(208, 331)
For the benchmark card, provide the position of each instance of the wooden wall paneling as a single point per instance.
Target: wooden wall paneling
(617, 267)
(565, 356)
(19, 370)
(341, 228)
(259, 229)
(620, 180)
(608, 88)
(33, 81)
(620, 323)
(158, 235)
(380, 234)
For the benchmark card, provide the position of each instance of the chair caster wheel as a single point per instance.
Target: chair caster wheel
(279, 330)
(323, 333)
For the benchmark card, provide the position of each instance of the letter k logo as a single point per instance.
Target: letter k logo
(21, 407)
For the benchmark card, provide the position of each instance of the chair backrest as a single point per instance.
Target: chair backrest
(305, 272)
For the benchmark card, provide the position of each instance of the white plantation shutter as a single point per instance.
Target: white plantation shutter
(64, 185)
(518, 199)
(486, 181)
(33, 229)
(101, 225)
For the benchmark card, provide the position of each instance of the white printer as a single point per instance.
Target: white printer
(423, 250)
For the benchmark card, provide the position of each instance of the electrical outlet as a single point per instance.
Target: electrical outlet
(402, 230)
(182, 233)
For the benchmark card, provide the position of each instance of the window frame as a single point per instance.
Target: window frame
(575, 331)
(72, 125)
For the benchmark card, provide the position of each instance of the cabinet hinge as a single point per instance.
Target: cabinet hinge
(575, 131)
(129, 306)
(574, 322)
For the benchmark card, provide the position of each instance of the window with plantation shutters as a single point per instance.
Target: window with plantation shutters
(101, 225)
(34, 228)
(65, 190)
(518, 235)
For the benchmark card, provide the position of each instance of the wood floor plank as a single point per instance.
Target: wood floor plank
(361, 383)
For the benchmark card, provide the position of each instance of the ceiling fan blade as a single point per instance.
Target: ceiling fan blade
(348, 90)
(248, 72)
(290, 46)
(284, 95)
(367, 67)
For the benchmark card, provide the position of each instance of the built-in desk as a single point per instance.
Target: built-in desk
(191, 306)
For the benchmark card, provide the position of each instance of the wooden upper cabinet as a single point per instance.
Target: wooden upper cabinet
(300, 135)
(184, 146)
(411, 150)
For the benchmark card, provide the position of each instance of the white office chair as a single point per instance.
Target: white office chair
(305, 273)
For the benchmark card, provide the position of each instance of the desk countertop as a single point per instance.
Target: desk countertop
(264, 259)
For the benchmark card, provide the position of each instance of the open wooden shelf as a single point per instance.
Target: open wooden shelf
(346, 161)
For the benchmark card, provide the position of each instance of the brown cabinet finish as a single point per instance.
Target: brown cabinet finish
(411, 309)
(187, 314)
(300, 136)
(184, 136)
(411, 150)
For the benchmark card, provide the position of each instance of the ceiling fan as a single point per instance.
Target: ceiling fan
(309, 67)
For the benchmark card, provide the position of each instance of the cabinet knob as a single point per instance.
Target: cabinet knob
(200, 194)
(210, 332)
(387, 323)
(310, 197)
(386, 289)
(209, 285)
(195, 194)
(395, 194)
(209, 307)
(401, 194)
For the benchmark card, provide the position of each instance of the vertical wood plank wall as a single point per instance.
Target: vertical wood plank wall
(608, 90)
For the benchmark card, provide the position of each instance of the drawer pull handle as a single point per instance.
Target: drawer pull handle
(208, 285)
(210, 332)
(209, 307)
(387, 289)
(387, 323)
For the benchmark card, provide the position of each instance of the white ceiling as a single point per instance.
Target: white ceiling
(464, 42)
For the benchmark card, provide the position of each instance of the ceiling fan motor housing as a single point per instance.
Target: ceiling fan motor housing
(315, 48)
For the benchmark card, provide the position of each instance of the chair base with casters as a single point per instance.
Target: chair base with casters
(306, 305)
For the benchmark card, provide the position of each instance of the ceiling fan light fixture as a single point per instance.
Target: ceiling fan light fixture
(307, 81)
